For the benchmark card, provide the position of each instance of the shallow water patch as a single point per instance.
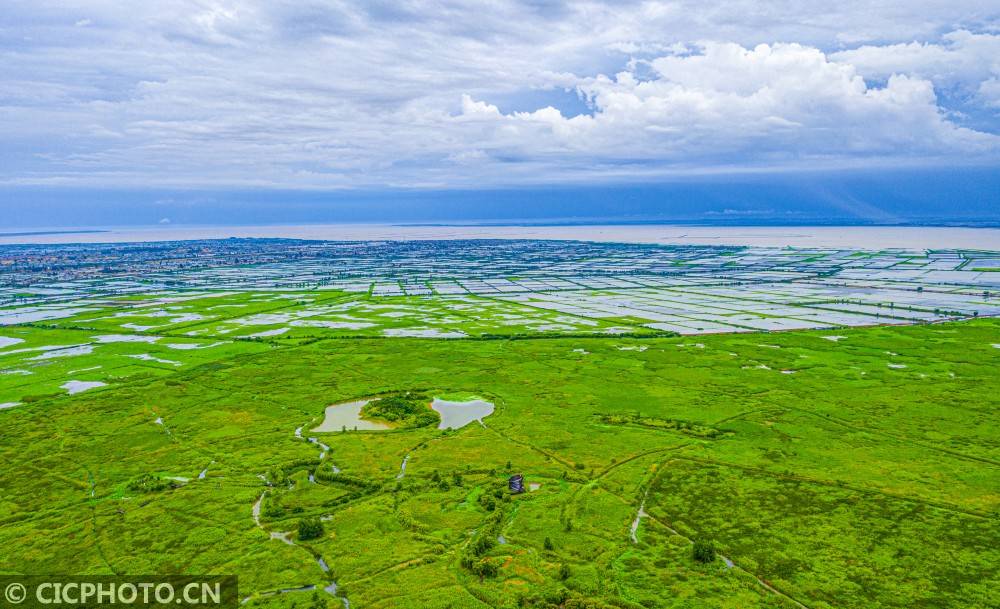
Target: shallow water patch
(67, 352)
(189, 346)
(456, 415)
(423, 333)
(146, 357)
(74, 387)
(348, 416)
(332, 325)
(267, 333)
(125, 338)
(138, 328)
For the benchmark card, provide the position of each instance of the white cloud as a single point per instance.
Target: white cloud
(345, 94)
(960, 58)
(769, 103)
(989, 92)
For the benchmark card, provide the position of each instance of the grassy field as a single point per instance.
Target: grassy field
(861, 471)
(331, 313)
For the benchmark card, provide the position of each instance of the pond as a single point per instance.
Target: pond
(459, 414)
(348, 415)
(74, 387)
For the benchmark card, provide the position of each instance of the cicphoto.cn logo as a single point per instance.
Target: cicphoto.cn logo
(178, 591)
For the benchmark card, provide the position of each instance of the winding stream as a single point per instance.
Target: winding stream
(402, 468)
(635, 523)
(285, 537)
(325, 448)
(324, 451)
(725, 559)
(256, 510)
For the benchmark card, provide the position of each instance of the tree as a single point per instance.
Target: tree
(482, 545)
(564, 572)
(486, 568)
(317, 602)
(548, 545)
(703, 551)
(310, 528)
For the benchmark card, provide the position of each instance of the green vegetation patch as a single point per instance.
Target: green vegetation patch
(849, 484)
(684, 427)
(404, 410)
(149, 483)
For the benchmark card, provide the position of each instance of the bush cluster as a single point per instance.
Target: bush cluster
(703, 551)
(409, 409)
(148, 483)
(310, 528)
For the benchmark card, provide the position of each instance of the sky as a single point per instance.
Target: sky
(206, 111)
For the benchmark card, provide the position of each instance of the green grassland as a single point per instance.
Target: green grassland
(331, 313)
(860, 473)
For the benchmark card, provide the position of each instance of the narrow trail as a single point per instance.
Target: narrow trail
(96, 528)
(838, 485)
(528, 445)
(730, 564)
(570, 504)
(899, 438)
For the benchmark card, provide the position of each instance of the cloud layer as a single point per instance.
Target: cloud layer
(436, 94)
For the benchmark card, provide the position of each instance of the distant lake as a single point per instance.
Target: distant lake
(848, 237)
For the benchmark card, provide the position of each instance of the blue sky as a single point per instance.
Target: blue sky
(430, 110)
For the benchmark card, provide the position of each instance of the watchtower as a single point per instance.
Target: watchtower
(516, 484)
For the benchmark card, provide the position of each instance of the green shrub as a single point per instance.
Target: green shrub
(703, 551)
(564, 572)
(310, 528)
(148, 483)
